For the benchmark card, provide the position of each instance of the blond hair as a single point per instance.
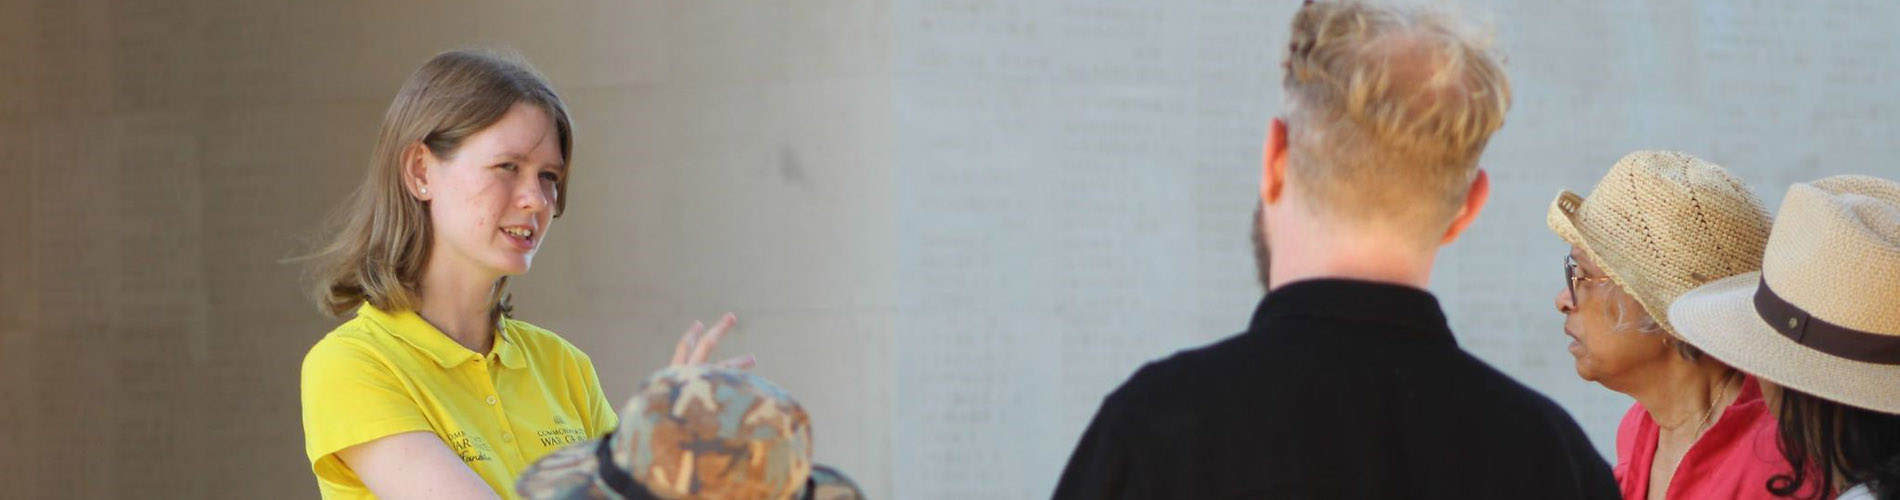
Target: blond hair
(1388, 108)
(383, 234)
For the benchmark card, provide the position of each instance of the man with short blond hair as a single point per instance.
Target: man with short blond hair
(1348, 383)
(1389, 109)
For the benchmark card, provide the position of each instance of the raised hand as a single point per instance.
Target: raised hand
(698, 344)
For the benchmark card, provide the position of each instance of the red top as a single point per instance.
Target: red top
(1734, 459)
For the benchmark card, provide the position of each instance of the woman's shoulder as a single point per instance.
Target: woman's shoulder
(1632, 422)
(356, 340)
(1629, 432)
(355, 333)
(541, 342)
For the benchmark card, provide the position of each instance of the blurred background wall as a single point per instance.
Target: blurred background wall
(162, 159)
(948, 226)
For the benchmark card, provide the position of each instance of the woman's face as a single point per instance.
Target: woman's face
(1603, 349)
(490, 202)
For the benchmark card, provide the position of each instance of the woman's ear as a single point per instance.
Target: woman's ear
(416, 162)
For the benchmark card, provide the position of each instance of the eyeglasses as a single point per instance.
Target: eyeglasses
(1573, 273)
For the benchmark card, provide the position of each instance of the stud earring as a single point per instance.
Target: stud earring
(425, 190)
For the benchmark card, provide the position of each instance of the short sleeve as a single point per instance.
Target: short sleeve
(350, 397)
(601, 418)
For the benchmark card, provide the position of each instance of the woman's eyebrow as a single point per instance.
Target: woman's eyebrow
(521, 158)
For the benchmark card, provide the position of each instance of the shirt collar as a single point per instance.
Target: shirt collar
(1385, 305)
(1739, 415)
(418, 333)
(507, 347)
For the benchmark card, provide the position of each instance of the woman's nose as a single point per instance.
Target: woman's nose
(1565, 303)
(531, 199)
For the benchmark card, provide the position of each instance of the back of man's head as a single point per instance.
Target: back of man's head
(1388, 108)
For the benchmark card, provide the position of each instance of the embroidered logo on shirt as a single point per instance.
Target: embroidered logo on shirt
(560, 436)
(471, 448)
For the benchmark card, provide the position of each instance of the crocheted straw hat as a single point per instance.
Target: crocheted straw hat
(1663, 222)
(1820, 316)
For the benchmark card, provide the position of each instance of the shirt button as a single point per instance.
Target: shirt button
(491, 400)
(507, 437)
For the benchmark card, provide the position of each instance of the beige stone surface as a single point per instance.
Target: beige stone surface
(162, 159)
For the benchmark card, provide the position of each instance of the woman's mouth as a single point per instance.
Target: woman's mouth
(521, 236)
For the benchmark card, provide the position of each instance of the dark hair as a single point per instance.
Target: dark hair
(1821, 438)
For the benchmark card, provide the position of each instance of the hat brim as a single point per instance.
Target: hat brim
(1720, 319)
(1560, 221)
(1565, 225)
(571, 473)
(830, 484)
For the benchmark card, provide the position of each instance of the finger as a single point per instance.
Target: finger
(745, 362)
(711, 339)
(686, 343)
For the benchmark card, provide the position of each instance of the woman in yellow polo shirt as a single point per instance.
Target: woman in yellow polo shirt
(432, 390)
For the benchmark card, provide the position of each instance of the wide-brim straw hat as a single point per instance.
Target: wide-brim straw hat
(1663, 222)
(1823, 315)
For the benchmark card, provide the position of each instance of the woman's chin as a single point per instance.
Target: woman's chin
(1584, 372)
(513, 267)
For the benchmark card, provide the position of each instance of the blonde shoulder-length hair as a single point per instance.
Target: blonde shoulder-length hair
(382, 235)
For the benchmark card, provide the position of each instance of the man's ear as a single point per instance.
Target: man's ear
(1273, 164)
(1475, 199)
(416, 161)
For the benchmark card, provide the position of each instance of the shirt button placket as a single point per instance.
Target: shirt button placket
(508, 448)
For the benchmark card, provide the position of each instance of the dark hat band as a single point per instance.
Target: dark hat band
(1815, 333)
(615, 477)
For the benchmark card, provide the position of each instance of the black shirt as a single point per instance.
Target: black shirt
(1338, 389)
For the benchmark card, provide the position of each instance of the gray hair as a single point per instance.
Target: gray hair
(1635, 318)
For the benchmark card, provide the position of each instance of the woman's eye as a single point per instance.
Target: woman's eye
(507, 166)
(550, 177)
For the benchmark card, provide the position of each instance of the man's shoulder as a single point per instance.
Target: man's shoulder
(1211, 378)
(1280, 400)
(1507, 392)
(1263, 364)
(1171, 374)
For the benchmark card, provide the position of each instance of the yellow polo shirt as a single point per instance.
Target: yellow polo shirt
(384, 373)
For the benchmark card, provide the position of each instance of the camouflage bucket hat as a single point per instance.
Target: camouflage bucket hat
(695, 433)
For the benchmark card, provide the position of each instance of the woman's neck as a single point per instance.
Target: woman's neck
(459, 304)
(1682, 395)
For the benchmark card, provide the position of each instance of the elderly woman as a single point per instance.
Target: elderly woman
(1658, 225)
